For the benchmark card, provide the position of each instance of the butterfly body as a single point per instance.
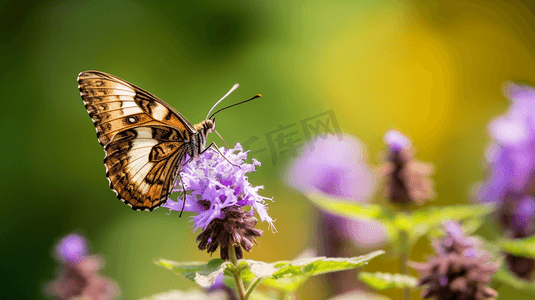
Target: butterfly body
(144, 138)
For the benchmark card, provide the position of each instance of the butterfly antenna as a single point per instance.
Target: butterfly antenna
(256, 96)
(234, 87)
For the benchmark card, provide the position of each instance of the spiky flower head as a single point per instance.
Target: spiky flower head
(408, 180)
(79, 276)
(460, 270)
(217, 189)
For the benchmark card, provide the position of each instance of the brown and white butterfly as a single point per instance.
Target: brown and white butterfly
(145, 139)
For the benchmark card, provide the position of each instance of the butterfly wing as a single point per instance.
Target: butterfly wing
(144, 138)
(142, 164)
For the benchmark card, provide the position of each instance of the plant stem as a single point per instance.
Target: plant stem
(237, 277)
(252, 287)
(404, 240)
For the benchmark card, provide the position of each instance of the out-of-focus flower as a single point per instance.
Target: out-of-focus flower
(460, 270)
(338, 169)
(511, 156)
(219, 285)
(217, 191)
(511, 181)
(335, 168)
(78, 277)
(516, 213)
(517, 217)
(71, 249)
(407, 179)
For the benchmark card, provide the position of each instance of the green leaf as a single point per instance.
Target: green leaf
(320, 265)
(434, 216)
(288, 276)
(256, 295)
(403, 221)
(286, 284)
(347, 209)
(382, 281)
(519, 284)
(204, 274)
(519, 247)
(282, 275)
(290, 285)
(469, 226)
(247, 276)
(356, 210)
(417, 223)
(423, 220)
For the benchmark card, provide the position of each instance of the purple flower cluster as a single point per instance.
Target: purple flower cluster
(216, 184)
(78, 277)
(216, 188)
(407, 180)
(460, 270)
(511, 181)
(71, 249)
(220, 286)
(511, 156)
(335, 168)
(396, 141)
(338, 169)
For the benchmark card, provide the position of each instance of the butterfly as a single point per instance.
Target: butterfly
(145, 139)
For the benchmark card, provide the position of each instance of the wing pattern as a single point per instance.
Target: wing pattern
(143, 137)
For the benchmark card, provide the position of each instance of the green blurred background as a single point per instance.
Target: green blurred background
(431, 69)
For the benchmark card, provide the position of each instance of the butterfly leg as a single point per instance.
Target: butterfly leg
(213, 145)
(221, 139)
(183, 197)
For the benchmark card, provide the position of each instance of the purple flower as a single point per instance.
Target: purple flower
(511, 181)
(215, 184)
(511, 156)
(408, 180)
(72, 248)
(338, 169)
(79, 273)
(455, 241)
(396, 141)
(516, 213)
(217, 190)
(460, 270)
(219, 285)
(522, 217)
